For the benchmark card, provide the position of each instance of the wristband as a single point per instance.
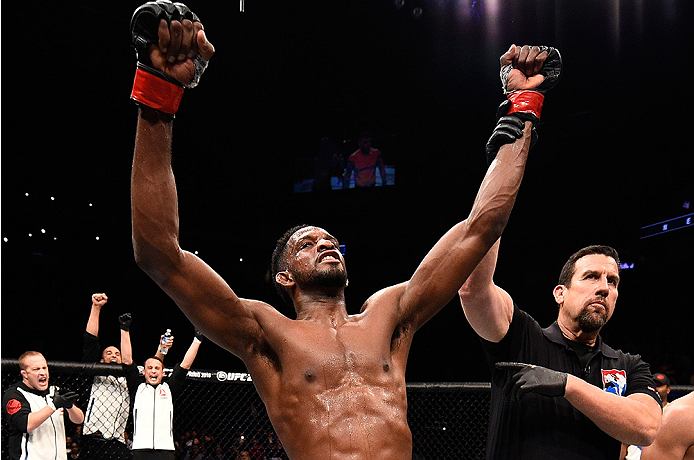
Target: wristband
(155, 92)
(525, 101)
(195, 339)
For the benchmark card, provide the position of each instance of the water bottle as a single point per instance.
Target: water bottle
(167, 335)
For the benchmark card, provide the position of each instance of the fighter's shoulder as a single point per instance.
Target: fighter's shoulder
(681, 408)
(385, 299)
(263, 310)
(678, 417)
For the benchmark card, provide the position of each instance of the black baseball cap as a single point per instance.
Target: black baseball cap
(661, 379)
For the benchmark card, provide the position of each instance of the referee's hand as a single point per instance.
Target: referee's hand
(535, 379)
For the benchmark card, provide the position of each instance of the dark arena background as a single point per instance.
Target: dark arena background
(613, 164)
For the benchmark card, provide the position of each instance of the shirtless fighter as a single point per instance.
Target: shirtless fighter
(333, 384)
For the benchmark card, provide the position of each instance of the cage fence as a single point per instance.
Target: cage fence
(219, 414)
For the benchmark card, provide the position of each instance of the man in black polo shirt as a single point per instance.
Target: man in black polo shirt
(574, 397)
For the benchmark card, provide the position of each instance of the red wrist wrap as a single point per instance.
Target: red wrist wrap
(154, 92)
(527, 102)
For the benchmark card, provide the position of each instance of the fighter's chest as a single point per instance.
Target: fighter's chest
(339, 353)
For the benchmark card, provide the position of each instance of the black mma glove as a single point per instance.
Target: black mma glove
(199, 336)
(508, 128)
(66, 400)
(535, 379)
(152, 87)
(125, 321)
(525, 105)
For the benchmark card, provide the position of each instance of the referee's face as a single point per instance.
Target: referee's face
(590, 300)
(35, 374)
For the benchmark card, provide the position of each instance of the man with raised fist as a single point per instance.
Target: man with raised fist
(109, 401)
(34, 412)
(333, 383)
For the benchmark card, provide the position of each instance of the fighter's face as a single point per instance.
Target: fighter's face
(590, 299)
(35, 374)
(153, 371)
(111, 355)
(314, 257)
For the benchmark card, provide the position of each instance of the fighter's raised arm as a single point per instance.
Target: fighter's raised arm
(487, 307)
(527, 73)
(593, 397)
(172, 52)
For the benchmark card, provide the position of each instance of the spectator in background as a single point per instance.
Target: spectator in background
(192, 447)
(662, 384)
(256, 450)
(68, 444)
(206, 440)
(195, 452)
(217, 454)
(275, 451)
(363, 163)
(34, 412)
(75, 452)
(187, 441)
(77, 434)
(240, 444)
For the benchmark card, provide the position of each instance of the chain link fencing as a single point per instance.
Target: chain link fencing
(219, 414)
